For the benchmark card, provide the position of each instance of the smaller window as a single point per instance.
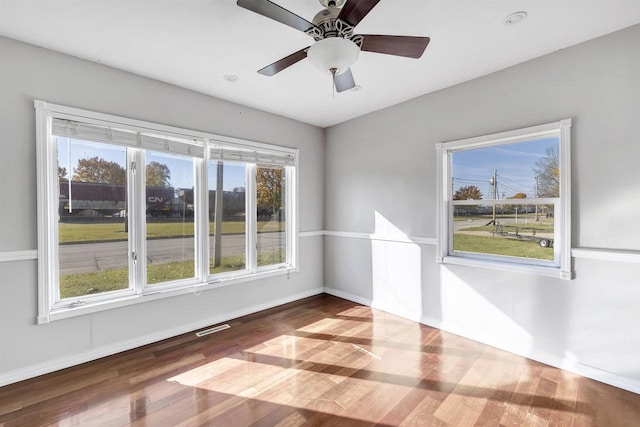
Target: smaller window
(271, 202)
(227, 215)
(169, 218)
(505, 200)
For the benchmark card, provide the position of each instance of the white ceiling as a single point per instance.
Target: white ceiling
(194, 43)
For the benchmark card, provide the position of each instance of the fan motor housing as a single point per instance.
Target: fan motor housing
(328, 22)
(326, 18)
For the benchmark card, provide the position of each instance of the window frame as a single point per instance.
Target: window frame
(51, 307)
(561, 267)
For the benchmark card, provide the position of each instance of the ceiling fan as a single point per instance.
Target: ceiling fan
(336, 48)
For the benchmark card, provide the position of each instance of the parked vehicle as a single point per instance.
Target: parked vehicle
(522, 233)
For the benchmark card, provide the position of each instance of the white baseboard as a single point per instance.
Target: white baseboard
(347, 296)
(66, 362)
(573, 366)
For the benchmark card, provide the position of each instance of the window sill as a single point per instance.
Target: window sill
(554, 272)
(124, 301)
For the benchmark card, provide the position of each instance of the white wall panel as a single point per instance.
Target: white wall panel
(28, 73)
(384, 164)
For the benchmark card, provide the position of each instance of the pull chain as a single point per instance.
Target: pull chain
(333, 75)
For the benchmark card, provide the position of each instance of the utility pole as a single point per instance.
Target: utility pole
(217, 238)
(494, 184)
(537, 218)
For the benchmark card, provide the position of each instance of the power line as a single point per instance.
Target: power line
(471, 180)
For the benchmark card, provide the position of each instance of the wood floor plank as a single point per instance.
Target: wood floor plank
(322, 361)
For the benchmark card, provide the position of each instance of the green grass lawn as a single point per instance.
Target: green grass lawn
(75, 285)
(501, 246)
(74, 232)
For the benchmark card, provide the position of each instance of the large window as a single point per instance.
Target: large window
(505, 200)
(131, 209)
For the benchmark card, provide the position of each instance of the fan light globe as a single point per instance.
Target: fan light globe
(333, 53)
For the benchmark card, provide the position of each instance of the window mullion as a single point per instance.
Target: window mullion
(251, 218)
(201, 218)
(290, 216)
(54, 235)
(136, 218)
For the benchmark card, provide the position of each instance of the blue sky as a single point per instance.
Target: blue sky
(514, 164)
(181, 170)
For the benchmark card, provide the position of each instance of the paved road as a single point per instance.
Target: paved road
(91, 257)
(522, 221)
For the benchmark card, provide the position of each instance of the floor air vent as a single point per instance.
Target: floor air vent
(212, 330)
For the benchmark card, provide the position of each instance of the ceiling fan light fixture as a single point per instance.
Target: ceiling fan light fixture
(333, 53)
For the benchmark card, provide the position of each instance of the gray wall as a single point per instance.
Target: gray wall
(378, 177)
(27, 73)
(381, 180)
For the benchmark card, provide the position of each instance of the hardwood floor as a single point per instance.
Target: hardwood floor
(320, 361)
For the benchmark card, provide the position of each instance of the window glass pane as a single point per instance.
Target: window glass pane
(270, 197)
(169, 217)
(517, 232)
(518, 170)
(227, 214)
(92, 227)
(513, 172)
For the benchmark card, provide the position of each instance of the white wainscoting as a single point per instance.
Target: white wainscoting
(587, 253)
(18, 255)
(621, 256)
(7, 256)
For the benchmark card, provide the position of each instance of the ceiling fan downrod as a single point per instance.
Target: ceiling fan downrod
(331, 3)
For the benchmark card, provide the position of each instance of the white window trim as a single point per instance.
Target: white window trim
(563, 222)
(48, 266)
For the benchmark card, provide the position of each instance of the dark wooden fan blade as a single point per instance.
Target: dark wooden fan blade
(285, 62)
(411, 47)
(354, 10)
(345, 81)
(277, 13)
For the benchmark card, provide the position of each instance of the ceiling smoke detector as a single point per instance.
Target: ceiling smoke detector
(516, 17)
(231, 78)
